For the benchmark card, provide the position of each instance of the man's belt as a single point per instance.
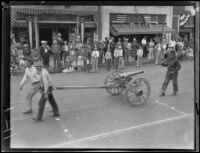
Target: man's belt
(36, 82)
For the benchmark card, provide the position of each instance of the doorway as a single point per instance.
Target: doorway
(65, 33)
(45, 34)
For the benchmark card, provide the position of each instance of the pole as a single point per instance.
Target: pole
(178, 24)
(82, 31)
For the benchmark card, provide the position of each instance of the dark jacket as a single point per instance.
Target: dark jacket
(173, 64)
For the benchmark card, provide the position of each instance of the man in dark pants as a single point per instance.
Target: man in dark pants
(173, 66)
(46, 92)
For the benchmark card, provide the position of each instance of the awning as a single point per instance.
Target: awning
(126, 29)
(90, 25)
(52, 11)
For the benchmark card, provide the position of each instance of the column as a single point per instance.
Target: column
(36, 32)
(77, 25)
(82, 29)
(30, 31)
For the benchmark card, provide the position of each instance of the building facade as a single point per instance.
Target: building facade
(132, 20)
(43, 22)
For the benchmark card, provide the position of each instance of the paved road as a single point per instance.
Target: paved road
(94, 119)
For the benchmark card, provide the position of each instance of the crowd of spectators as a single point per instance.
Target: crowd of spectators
(76, 56)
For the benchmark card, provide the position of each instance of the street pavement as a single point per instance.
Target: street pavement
(92, 118)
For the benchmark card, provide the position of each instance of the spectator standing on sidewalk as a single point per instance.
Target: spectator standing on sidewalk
(46, 92)
(60, 43)
(45, 50)
(144, 46)
(65, 50)
(126, 52)
(94, 59)
(159, 54)
(173, 66)
(139, 56)
(164, 47)
(119, 61)
(101, 51)
(108, 58)
(112, 48)
(56, 50)
(134, 48)
(106, 43)
(151, 49)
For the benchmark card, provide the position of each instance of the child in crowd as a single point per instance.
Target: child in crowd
(139, 56)
(108, 58)
(80, 63)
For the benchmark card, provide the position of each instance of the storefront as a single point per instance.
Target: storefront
(138, 25)
(44, 23)
(132, 20)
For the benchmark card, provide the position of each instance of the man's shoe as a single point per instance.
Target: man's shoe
(37, 119)
(55, 115)
(162, 94)
(28, 112)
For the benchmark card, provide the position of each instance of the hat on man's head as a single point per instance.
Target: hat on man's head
(38, 64)
(43, 41)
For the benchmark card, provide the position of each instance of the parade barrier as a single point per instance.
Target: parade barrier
(137, 90)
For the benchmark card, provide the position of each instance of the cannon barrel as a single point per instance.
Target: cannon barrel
(82, 87)
(130, 74)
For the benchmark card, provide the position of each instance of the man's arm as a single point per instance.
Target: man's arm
(178, 66)
(24, 79)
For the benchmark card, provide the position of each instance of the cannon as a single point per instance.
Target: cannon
(137, 90)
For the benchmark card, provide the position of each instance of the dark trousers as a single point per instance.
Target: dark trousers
(116, 63)
(170, 76)
(108, 63)
(46, 59)
(42, 103)
(145, 51)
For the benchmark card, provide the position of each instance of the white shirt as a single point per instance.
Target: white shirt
(30, 73)
(118, 52)
(144, 42)
(95, 54)
(172, 43)
(45, 79)
(139, 52)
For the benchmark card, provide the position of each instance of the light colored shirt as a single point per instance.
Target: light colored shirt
(118, 52)
(139, 52)
(45, 79)
(65, 48)
(95, 54)
(108, 55)
(30, 73)
(172, 43)
(144, 42)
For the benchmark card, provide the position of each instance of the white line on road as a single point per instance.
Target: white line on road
(92, 138)
(170, 107)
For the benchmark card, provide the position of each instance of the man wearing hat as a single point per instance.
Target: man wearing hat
(173, 66)
(46, 91)
(30, 72)
(45, 53)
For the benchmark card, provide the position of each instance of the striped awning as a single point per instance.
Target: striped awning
(38, 11)
(125, 29)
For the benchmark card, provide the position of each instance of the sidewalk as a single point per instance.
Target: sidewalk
(101, 66)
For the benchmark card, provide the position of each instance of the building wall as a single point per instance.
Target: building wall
(106, 10)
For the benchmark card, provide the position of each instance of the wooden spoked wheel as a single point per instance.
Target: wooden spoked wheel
(138, 91)
(114, 82)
